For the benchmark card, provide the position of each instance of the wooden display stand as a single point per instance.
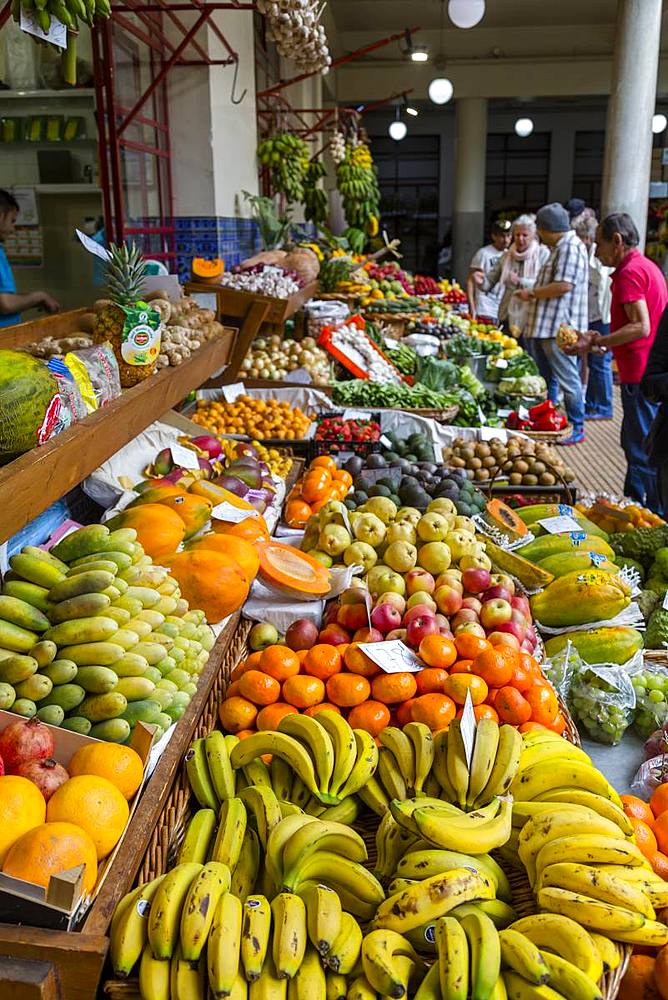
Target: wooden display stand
(250, 313)
(59, 325)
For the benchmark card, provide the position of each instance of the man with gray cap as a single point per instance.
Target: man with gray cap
(559, 296)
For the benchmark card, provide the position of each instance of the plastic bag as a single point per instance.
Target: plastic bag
(95, 370)
(72, 405)
(561, 668)
(649, 776)
(650, 682)
(602, 698)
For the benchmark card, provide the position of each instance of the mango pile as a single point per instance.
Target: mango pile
(95, 638)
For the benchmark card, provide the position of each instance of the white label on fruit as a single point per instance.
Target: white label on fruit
(392, 656)
(559, 525)
(355, 415)
(467, 728)
(390, 343)
(367, 603)
(184, 457)
(57, 33)
(385, 441)
(226, 511)
(523, 413)
(503, 413)
(233, 391)
(143, 907)
(90, 245)
(501, 363)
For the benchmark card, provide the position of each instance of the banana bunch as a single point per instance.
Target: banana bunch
(444, 825)
(358, 183)
(69, 13)
(324, 762)
(548, 762)
(286, 157)
(316, 201)
(209, 771)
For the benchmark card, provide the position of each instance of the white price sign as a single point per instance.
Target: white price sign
(385, 441)
(501, 363)
(390, 344)
(90, 245)
(559, 525)
(57, 33)
(523, 413)
(665, 601)
(467, 728)
(355, 415)
(184, 457)
(228, 512)
(233, 391)
(490, 433)
(393, 656)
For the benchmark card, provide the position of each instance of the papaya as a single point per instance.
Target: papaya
(82, 542)
(194, 511)
(580, 597)
(549, 545)
(568, 562)
(289, 570)
(539, 511)
(592, 529)
(156, 494)
(499, 515)
(615, 644)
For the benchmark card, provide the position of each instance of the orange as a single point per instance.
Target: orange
(50, 849)
(343, 476)
(529, 663)
(558, 724)
(459, 685)
(270, 716)
(358, 662)
(462, 667)
(236, 714)
(438, 651)
(303, 691)
(232, 689)
(297, 512)
(543, 700)
(431, 679)
(251, 662)
(660, 971)
(435, 710)
(646, 840)
(495, 665)
(301, 655)
(324, 706)
(371, 716)
(120, 765)
(512, 706)
(322, 661)
(22, 807)
(348, 690)
(638, 982)
(485, 712)
(405, 712)
(468, 646)
(324, 462)
(279, 662)
(659, 863)
(522, 679)
(259, 687)
(530, 727)
(95, 805)
(659, 800)
(633, 806)
(393, 688)
(660, 830)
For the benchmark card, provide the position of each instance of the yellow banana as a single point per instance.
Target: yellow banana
(289, 936)
(255, 935)
(335, 986)
(505, 765)
(424, 864)
(324, 836)
(366, 762)
(452, 948)
(546, 775)
(187, 980)
(608, 951)
(591, 881)
(346, 947)
(469, 833)
(560, 822)
(197, 770)
(263, 804)
(521, 955)
(323, 916)
(652, 934)
(129, 928)
(484, 951)
(589, 849)
(224, 945)
(247, 867)
(373, 795)
(518, 988)
(458, 768)
(360, 989)
(565, 937)
(482, 760)
(568, 980)
(308, 982)
(400, 747)
(430, 987)
(153, 976)
(432, 898)
(281, 778)
(317, 741)
(268, 986)
(195, 846)
(341, 875)
(164, 917)
(220, 770)
(344, 746)
(380, 949)
(232, 821)
(440, 765)
(423, 752)
(581, 797)
(591, 913)
(200, 906)
(281, 835)
(284, 746)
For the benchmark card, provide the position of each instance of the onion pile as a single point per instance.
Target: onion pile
(273, 358)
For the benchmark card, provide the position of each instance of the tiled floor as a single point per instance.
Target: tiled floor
(599, 462)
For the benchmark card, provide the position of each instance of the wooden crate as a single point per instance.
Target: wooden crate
(59, 325)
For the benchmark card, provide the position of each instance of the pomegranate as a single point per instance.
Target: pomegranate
(28, 739)
(47, 774)
(2, 767)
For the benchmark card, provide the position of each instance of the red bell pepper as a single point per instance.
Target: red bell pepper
(541, 409)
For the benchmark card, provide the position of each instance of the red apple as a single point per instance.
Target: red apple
(331, 613)
(503, 580)
(352, 616)
(334, 635)
(418, 579)
(367, 635)
(528, 646)
(396, 633)
(471, 627)
(521, 603)
(419, 628)
(448, 600)
(442, 621)
(465, 615)
(416, 611)
(496, 593)
(518, 616)
(473, 603)
(476, 580)
(513, 628)
(385, 618)
(396, 600)
(451, 578)
(503, 639)
(494, 612)
(302, 634)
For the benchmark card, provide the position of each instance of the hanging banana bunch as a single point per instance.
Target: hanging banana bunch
(358, 184)
(69, 13)
(316, 202)
(286, 157)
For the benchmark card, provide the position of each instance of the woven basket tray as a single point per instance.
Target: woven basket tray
(168, 835)
(550, 437)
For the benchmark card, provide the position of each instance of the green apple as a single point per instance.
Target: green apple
(382, 507)
(400, 556)
(360, 554)
(434, 557)
(478, 561)
(334, 539)
(382, 579)
(461, 543)
(322, 557)
(401, 531)
(432, 527)
(370, 529)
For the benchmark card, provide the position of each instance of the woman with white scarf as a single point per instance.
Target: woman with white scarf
(517, 268)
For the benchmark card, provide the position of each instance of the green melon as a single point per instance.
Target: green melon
(27, 391)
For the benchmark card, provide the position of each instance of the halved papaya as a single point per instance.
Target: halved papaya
(293, 571)
(499, 515)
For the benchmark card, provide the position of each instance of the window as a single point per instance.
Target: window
(588, 167)
(517, 174)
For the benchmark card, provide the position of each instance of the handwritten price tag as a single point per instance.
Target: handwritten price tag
(393, 656)
(57, 33)
(227, 512)
(559, 525)
(90, 245)
(467, 728)
(232, 392)
(184, 457)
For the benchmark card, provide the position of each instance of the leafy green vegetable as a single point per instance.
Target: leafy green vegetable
(436, 373)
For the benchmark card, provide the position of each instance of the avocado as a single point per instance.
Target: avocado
(380, 491)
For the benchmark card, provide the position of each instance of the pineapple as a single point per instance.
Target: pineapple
(126, 271)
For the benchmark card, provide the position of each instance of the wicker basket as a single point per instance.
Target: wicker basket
(550, 437)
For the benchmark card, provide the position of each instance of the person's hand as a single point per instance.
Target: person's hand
(524, 294)
(478, 277)
(49, 304)
(514, 278)
(583, 345)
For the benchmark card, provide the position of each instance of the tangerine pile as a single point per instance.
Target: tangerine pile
(261, 418)
(323, 481)
(650, 826)
(505, 685)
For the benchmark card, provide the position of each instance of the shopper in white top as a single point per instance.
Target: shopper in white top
(517, 268)
(598, 401)
(483, 305)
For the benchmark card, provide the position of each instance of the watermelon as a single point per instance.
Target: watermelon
(29, 404)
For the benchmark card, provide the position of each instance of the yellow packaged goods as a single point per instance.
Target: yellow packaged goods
(263, 418)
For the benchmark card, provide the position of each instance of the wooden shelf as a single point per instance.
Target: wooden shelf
(32, 482)
(38, 95)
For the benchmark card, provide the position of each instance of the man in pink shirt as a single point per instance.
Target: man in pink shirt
(639, 297)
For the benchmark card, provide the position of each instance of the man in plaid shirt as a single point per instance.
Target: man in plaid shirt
(559, 296)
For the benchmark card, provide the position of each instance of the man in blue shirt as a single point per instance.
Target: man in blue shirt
(12, 303)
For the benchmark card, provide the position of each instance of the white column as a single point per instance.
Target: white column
(470, 163)
(628, 147)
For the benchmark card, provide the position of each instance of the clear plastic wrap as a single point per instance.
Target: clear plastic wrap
(602, 698)
(650, 682)
(95, 370)
(560, 669)
(649, 776)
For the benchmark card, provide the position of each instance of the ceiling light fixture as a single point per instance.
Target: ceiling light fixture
(523, 127)
(420, 54)
(466, 13)
(440, 89)
(413, 112)
(659, 123)
(417, 53)
(397, 129)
